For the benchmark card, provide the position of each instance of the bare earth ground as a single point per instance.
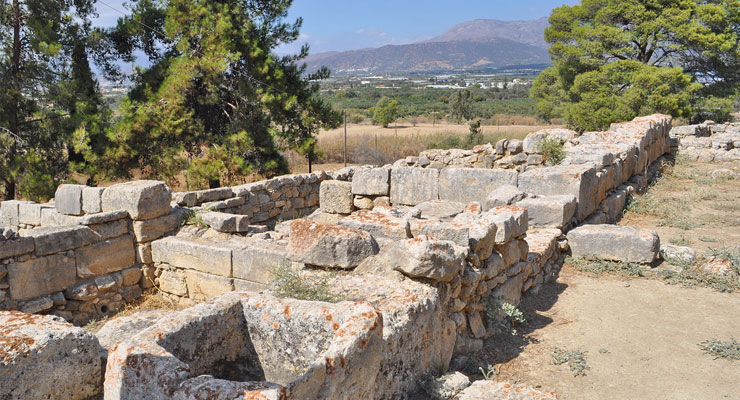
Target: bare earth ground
(641, 339)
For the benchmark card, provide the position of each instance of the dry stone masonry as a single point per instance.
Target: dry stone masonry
(422, 250)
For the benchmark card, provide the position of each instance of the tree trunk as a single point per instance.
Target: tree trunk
(310, 162)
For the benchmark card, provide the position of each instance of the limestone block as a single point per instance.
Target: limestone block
(100, 218)
(611, 242)
(329, 245)
(202, 286)
(126, 327)
(240, 285)
(29, 214)
(130, 276)
(92, 200)
(44, 357)
(223, 222)
(678, 254)
(216, 194)
(466, 185)
(510, 292)
(454, 232)
(55, 239)
(412, 186)
(68, 199)
(426, 257)
(41, 276)
(533, 143)
(371, 182)
(173, 282)
(576, 180)
(105, 257)
(190, 254)
(9, 212)
(110, 230)
(503, 196)
(16, 247)
(37, 305)
(514, 146)
(451, 382)
(336, 197)
(381, 221)
(144, 253)
(549, 211)
(141, 199)
(258, 260)
(155, 228)
(440, 209)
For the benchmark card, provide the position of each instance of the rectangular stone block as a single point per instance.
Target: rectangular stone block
(202, 286)
(9, 212)
(173, 282)
(50, 217)
(12, 248)
(41, 276)
(549, 211)
(105, 257)
(92, 198)
(29, 214)
(336, 197)
(371, 182)
(110, 230)
(465, 185)
(577, 180)
(229, 223)
(612, 242)
(412, 186)
(203, 196)
(257, 262)
(55, 239)
(68, 199)
(189, 254)
(151, 229)
(241, 285)
(144, 253)
(141, 199)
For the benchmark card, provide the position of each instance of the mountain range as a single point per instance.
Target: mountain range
(472, 46)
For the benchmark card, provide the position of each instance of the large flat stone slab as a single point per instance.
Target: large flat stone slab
(41, 276)
(105, 257)
(327, 245)
(576, 180)
(549, 211)
(465, 185)
(412, 186)
(55, 239)
(371, 182)
(190, 254)
(335, 197)
(612, 242)
(382, 221)
(141, 199)
(44, 357)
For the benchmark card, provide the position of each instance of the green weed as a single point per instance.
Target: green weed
(554, 150)
(598, 267)
(291, 283)
(576, 360)
(503, 317)
(729, 350)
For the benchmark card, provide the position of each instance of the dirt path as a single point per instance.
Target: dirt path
(641, 337)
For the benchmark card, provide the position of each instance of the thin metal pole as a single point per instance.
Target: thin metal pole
(345, 138)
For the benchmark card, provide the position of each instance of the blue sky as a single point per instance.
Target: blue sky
(336, 25)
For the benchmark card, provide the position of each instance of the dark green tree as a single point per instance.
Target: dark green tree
(47, 91)
(216, 97)
(386, 111)
(461, 105)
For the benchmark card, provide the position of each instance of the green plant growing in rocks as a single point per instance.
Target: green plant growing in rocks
(291, 283)
(576, 360)
(729, 350)
(503, 317)
(195, 218)
(553, 150)
(489, 373)
(598, 267)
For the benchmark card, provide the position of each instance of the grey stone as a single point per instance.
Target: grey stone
(412, 186)
(109, 230)
(371, 182)
(363, 203)
(335, 197)
(83, 291)
(16, 247)
(258, 261)
(533, 143)
(577, 180)
(381, 221)
(102, 217)
(105, 257)
(678, 254)
(229, 223)
(190, 254)
(29, 214)
(141, 199)
(155, 228)
(203, 286)
(466, 185)
(514, 146)
(126, 327)
(510, 292)
(173, 282)
(55, 239)
(446, 386)
(44, 357)
(549, 211)
(329, 245)
(503, 195)
(425, 257)
(92, 198)
(611, 242)
(68, 199)
(37, 305)
(41, 276)
(9, 212)
(440, 209)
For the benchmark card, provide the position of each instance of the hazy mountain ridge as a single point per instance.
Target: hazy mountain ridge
(477, 45)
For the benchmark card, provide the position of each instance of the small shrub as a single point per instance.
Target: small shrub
(474, 137)
(691, 276)
(293, 284)
(598, 267)
(553, 150)
(194, 218)
(503, 317)
(729, 350)
(489, 373)
(576, 360)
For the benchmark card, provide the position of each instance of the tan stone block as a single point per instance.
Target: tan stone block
(41, 276)
(202, 286)
(188, 254)
(105, 257)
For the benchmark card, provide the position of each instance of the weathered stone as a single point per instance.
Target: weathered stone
(258, 261)
(363, 203)
(110, 230)
(92, 200)
(41, 276)
(717, 266)
(83, 291)
(493, 390)
(678, 254)
(371, 182)
(549, 211)
(190, 254)
(126, 327)
(141, 199)
(425, 257)
(173, 282)
(412, 186)
(469, 184)
(16, 247)
(382, 221)
(329, 245)
(144, 253)
(202, 286)
(503, 196)
(55, 239)
(105, 257)
(440, 209)
(29, 214)
(454, 232)
(151, 229)
(577, 180)
(131, 276)
(37, 305)
(336, 197)
(223, 222)
(68, 199)
(446, 386)
(44, 357)
(9, 211)
(611, 242)
(514, 146)
(215, 194)
(101, 218)
(510, 291)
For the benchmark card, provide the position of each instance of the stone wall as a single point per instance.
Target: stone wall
(708, 142)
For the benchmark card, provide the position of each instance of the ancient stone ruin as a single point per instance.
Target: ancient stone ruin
(421, 249)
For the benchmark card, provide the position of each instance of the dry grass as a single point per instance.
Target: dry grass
(151, 300)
